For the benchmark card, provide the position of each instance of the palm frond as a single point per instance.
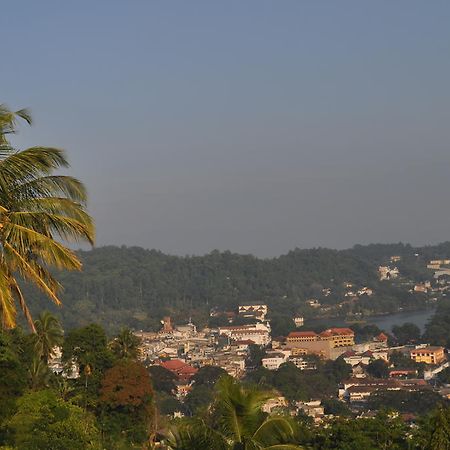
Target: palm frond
(23, 306)
(38, 209)
(275, 431)
(7, 307)
(51, 186)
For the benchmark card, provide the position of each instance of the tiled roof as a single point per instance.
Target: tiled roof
(302, 334)
(173, 364)
(344, 331)
(426, 350)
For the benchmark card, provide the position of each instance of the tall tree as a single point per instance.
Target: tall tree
(126, 345)
(49, 334)
(38, 210)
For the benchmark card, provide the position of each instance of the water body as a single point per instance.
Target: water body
(419, 318)
(385, 322)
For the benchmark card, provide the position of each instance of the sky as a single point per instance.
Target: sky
(245, 125)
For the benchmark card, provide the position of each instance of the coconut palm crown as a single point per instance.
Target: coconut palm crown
(235, 421)
(38, 211)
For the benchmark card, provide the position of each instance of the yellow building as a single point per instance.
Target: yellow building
(302, 336)
(338, 337)
(428, 355)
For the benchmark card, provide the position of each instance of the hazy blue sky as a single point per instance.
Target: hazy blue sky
(254, 126)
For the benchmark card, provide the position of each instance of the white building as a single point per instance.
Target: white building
(258, 333)
(302, 363)
(274, 360)
(256, 311)
(387, 273)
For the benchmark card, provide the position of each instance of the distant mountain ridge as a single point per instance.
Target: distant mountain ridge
(136, 287)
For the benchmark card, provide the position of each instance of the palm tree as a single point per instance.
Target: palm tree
(126, 344)
(49, 334)
(38, 210)
(235, 422)
(8, 121)
(38, 374)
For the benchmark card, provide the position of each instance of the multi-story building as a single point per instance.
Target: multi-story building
(254, 311)
(339, 337)
(301, 336)
(302, 363)
(428, 355)
(273, 360)
(258, 333)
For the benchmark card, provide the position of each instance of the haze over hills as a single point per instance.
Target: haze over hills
(136, 287)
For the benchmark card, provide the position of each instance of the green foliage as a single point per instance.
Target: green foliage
(198, 398)
(296, 384)
(88, 348)
(255, 355)
(167, 404)
(163, 380)
(38, 374)
(433, 432)
(406, 333)
(364, 333)
(416, 402)
(437, 331)
(235, 421)
(43, 421)
(134, 287)
(444, 376)
(385, 431)
(13, 378)
(378, 369)
(38, 210)
(208, 375)
(48, 335)
(336, 408)
(126, 344)
(202, 392)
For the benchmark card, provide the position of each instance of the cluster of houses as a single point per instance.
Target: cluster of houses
(182, 349)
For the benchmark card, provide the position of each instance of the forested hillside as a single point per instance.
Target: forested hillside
(136, 287)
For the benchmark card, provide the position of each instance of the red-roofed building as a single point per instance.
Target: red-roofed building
(428, 355)
(184, 372)
(302, 336)
(339, 337)
(382, 337)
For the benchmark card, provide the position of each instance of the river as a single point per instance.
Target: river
(385, 322)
